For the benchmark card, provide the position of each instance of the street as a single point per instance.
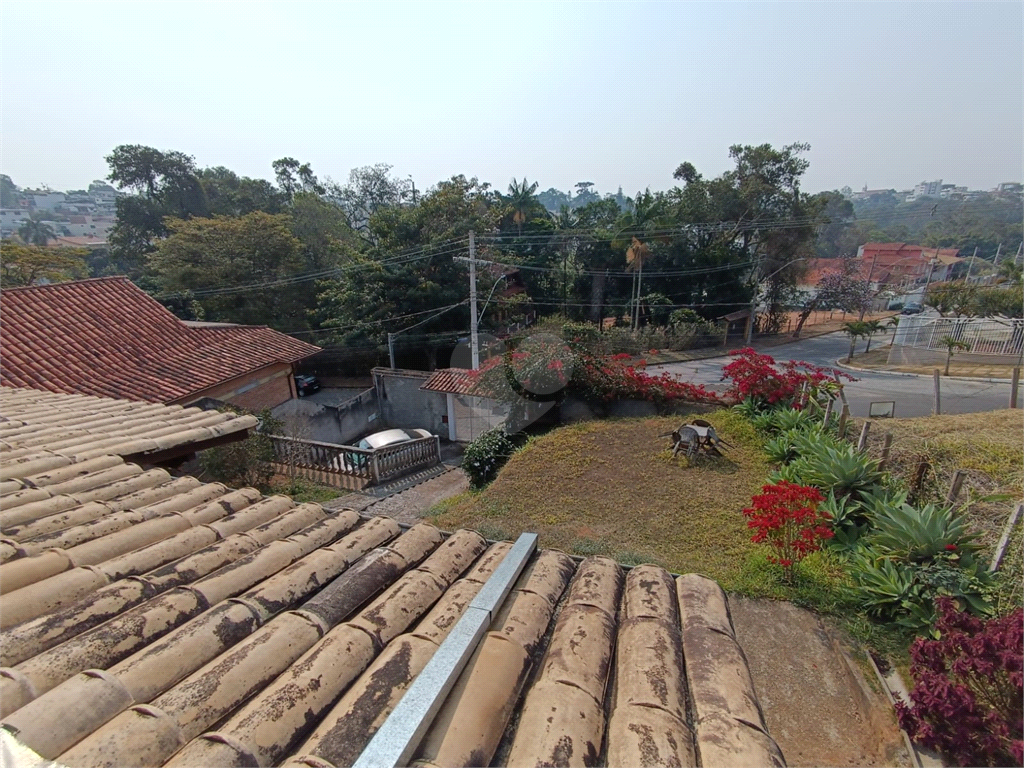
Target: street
(912, 394)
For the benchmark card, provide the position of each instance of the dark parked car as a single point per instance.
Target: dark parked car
(306, 385)
(912, 309)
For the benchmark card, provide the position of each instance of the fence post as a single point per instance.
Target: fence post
(1014, 386)
(828, 412)
(862, 443)
(886, 445)
(844, 416)
(936, 409)
(1004, 540)
(954, 487)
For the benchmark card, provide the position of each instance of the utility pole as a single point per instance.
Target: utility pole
(971, 265)
(995, 261)
(474, 335)
(391, 349)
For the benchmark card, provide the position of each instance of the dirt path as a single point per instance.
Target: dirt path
(819, 707)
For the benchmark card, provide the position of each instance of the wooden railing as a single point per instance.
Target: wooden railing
(343, 466)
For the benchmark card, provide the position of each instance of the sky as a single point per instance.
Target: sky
(888, 94)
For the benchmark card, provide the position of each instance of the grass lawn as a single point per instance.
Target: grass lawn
(612, 487)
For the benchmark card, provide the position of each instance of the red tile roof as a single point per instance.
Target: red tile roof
(457, 381)
(107, 337)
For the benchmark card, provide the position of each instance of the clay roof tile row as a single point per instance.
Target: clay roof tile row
(210, 626)
(107, 337)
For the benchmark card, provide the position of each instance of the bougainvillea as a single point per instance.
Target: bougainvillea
(545, 368)
(786, 516)
(968, 688)
(761, 379)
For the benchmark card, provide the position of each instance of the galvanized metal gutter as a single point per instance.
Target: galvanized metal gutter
(399, 735)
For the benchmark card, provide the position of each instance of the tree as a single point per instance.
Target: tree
(958, 299)
(31, 265)
(293, 177)
(223, 262)
(951, 344)
(854, 330)
(370, 190)
(999, 300)
(521, 203)
(871, 327)
(36, 232)
(165, 184)
(841, 288)
(9, 196)
(228, 194)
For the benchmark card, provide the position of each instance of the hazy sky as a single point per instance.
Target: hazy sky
(887, 94)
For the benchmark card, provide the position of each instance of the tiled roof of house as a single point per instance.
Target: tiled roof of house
(107, 337)
(150, 620)
(50, 430)
(457, 381)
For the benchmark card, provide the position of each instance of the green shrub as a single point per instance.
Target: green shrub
(919, 535)
(839, 469)
(486, 455)
(906, 592)
(779, 449)
(247, 462)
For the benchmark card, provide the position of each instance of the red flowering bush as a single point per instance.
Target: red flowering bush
(968, 688)
(761, 379)
(543, 368)
(786, 516)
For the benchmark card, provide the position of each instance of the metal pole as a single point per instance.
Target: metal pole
(1014, 386)
(971, 265)
(391, 349)
(474, 335)
(936, 410)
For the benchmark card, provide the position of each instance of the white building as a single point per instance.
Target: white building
(925, 189)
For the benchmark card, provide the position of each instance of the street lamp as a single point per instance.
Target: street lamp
(753, 299)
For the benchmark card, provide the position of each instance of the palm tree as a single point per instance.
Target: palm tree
(35, 232)
(872, 327)
(521, 201)
(952, 344)
(855, 330)
(644, 216)
(894, 323)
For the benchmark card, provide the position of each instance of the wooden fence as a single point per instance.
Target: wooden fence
(343, 466)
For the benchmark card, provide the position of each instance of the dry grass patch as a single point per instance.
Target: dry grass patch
(988, 446)
(612, 487)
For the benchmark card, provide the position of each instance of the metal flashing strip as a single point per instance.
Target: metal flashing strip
(396, 740)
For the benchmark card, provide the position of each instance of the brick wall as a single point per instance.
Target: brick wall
(274, 392)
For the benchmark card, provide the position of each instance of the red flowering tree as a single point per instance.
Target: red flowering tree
(769, 383)
(786, 516)
(968, 695)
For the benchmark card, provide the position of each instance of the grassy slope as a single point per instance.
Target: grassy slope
(612, 487)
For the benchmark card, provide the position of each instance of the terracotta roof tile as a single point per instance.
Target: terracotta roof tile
(457, 381)
(107, 337)
(210, 626)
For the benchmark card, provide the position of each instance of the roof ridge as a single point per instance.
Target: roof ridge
(110, 278)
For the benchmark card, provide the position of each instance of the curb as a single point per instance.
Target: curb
(920, 375)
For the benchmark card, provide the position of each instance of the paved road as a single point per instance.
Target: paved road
(913, 394)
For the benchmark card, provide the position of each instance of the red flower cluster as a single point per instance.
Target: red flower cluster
(969, 688)
(786, 516)
(759, 377)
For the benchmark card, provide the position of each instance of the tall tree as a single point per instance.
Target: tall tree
(164, 184)
(31, 265)
(370, 190)
(294, 177)
(232, 267)
(521, 203)
(36, 232)
(9, 196)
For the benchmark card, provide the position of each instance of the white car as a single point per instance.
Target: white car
(391, 437)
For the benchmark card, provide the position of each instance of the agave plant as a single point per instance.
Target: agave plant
(779, 449)
(748, 409)
(764, 423)
(840, 469)
(919, 535)
(789, 418)
(787, 472)
(812, 439)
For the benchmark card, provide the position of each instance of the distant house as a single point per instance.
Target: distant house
(900, 266)
(107, 337)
